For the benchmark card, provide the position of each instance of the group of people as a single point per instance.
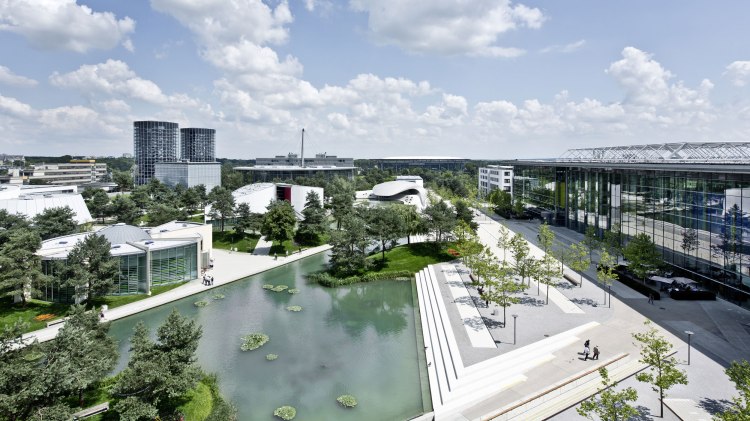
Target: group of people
(208, 280)
(587, 351)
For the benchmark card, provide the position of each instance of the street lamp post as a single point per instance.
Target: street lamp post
(515, 316)
(690, 334)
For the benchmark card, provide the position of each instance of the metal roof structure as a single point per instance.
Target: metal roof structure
(683, 152)
(121, 234)
(34, 204)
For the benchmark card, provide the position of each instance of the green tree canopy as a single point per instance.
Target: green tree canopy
(314, 224)
(609, 404)
(464, 213)
(99, 204)
(124, 209)
(55, 222)
(90, 268)
(349, 246)
(222, 204)
(739, 374)
(439, 219)
(279, 221)
(21, 272)
(123, 179)
(642, 255)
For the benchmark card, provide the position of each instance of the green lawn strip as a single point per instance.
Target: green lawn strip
(9, 312)
(198, 219)
(282, 248)
(199, 403)
(226, 240)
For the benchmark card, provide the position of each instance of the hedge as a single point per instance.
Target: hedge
(328, 280)
(636, 284)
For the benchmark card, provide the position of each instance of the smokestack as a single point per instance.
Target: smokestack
(302, 152)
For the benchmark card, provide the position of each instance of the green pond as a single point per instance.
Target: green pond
(359, 340)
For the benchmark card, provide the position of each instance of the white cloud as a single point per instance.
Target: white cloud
(738, 72)
(9, 78)
(115, 78)
(448, 27)
(564, 49)
(247, 57)
(338, 121)
(63, 25)
(13, 107)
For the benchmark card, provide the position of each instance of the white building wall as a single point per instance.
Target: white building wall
(495, 177)
(299, 194)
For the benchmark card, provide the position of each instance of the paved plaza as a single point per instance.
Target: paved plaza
(505, 382)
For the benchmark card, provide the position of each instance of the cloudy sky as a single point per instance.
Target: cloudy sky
(374, 78)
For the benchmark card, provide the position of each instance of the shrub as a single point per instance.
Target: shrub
(271, 357)
(201, 303)
(285, 412)
(268, 286)
(294, 308)
(347, 401)
(293, 291)
(279, 288)
(219, 296)
(253, 341)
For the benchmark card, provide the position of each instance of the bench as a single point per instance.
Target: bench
(57, 322)
(571, 279)
(91, 411)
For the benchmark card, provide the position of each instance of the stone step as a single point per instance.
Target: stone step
(435, 389)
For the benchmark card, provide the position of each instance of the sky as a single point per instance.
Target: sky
(480, 79)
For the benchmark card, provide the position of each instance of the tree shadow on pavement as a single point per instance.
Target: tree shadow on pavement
(714, 406)
(644, 414)
(586, 301)
(531, 301)
(492, 324)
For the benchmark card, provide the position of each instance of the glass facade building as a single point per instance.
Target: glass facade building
(153, 141)
(698, 213)
(198, 145)
(175, 264)
(189, 174)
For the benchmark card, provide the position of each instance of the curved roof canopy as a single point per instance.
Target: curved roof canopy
(121, 234)
(392, 188)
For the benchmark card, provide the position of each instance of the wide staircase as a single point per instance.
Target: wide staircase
(476, 391)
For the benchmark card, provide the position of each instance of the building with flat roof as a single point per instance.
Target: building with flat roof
(198, 144)
(153, 142)
(75, 172)
(320, 160)
(170, 253)
(495, 177)
(692, 199)
(435, 163)
(189, 174)
(270, 173)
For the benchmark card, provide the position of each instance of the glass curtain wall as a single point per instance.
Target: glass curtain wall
(700, 220)
(175, 264)
(132, 272)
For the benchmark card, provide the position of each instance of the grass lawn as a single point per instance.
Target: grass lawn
(282, 248)
(199, 403)
(36, 309)
(225, 240)
(198, 219)
(411, 257)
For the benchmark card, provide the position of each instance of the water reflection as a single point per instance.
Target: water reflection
(372, 304)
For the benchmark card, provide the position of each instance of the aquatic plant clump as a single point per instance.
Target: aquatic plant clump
(294, 308)
(293, 291)
(219, 296)
(280, 288)
(201, 303)
(271, 357)
(253, 341)
(347, 401)
(268, 286)
(285, 412)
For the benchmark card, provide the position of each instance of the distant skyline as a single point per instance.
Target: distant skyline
(368, 79)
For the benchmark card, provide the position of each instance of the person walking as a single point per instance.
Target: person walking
(651, 298)
(586, 352)
(596, 353)
(586, 344)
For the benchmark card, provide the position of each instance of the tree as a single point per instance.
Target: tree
(124, 209)
(17, 371)
(642, 255)
(90, 268)
(412, 220)
(159, 371)
(591, 241)
(55, 222)
(546, 238)
(520, 251)
(245, 219)
(518, 207)
(612, 242)
(606, 274)
(349, 246)
(662, 373)
(689, 240)
(464, 213)
(739, 374)
(610, 405)
(123, 179)
(161, 213)
(385, 226)
(502, 286)
(341, 192)
(580, 259)
(279, 221)
(222, 204)
(98, 205)
(11, 223)
(141, 197)
(21, 273)
(439, 219)
(502, 200)
(314, 224)
(503, 239)
(546, 273)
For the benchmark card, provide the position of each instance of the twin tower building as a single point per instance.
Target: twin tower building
(175, 156)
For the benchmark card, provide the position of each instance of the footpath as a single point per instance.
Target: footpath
(228, 267)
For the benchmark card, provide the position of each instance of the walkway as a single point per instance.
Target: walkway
(228, 267)
(263, 248)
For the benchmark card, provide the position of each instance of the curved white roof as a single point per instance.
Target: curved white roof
(122, 233)
(32, 205)
(392, 188)
(423, 157)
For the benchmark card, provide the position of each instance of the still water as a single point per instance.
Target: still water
(357, 340)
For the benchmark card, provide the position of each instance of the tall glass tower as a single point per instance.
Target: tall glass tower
(197, 145)
(154, 141)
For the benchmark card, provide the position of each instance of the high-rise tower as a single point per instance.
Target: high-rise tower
(154, 141)
(198, 145)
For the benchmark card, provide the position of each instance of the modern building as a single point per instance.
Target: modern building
(495, 177)
(692, 199)
(153, 142)
(75, 172)
(31, 200)
(189, 174)
(198, 145)
(406, 189)
(259, 195)
(435, 163)
(167, 254)
(320, 160)
(273, 173)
